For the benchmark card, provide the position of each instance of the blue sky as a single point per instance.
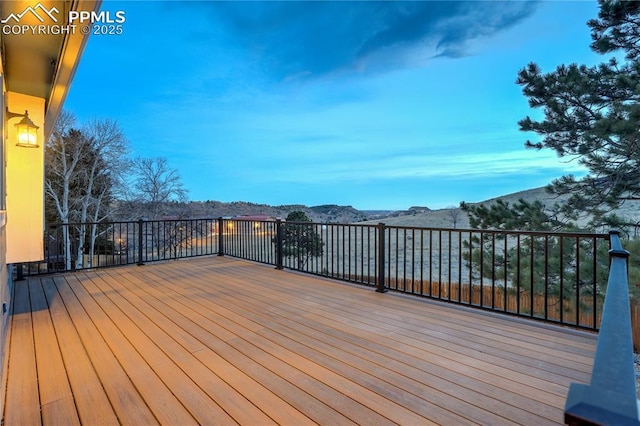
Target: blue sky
(378, 105)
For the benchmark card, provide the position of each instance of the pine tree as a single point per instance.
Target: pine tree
(592, 116)
(535, 263)
(300, 241)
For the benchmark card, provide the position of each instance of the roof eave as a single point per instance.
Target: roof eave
(68, 60)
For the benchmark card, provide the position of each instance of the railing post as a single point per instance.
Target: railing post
(20, 272)
(381, 258)
(611, 395)
(220, 237)
(140, 241)
(279, 244)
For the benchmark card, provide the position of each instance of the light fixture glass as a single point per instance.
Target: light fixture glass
(26, 130)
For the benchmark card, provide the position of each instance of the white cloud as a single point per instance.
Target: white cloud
(316, 170)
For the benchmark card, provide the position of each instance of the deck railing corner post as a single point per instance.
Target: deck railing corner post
(279, 255)
(611, 395)
(140, 242)
(381, 229)
(220, 236)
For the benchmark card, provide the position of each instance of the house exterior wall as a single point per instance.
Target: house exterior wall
(24, 184)
(6, 290)
(5, 278)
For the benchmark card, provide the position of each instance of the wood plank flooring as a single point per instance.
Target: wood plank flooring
(216, 340)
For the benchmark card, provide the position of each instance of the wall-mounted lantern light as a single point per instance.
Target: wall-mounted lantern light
(27, 132)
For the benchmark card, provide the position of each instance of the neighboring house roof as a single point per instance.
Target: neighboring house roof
(259, 217)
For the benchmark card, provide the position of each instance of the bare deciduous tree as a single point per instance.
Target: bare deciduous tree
(454, 214)
(83, 169)
(156, 183)
(103, 172)
(62, 155)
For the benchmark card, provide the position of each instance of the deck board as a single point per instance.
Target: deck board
(191, 353)
(460, 398)
(147, 373)
(53, 384)
(22, 405)
(387, 378)
(123, 395)
(93, 404)
(201, 389)
(216, 340)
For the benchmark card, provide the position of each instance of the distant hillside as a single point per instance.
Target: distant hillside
(324, 213)
(530, 195)
(629, 211)
(445, 218)
(332, 213)
(335, 213)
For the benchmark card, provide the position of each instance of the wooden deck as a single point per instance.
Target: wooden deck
(223, 341)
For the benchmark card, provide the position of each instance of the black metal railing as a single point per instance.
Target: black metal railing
(611, 396)
(97, 245)
(248, 239)
(557, 277)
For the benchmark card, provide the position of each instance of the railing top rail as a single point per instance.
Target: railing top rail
(55, 225)
(360, 225)
(509, 232)
(462, 230)
(200, 219)
(363, 225)
(118, 222)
